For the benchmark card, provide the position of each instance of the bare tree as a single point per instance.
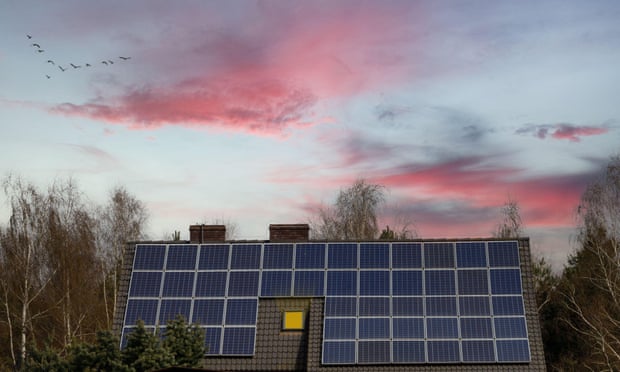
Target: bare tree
(592, 280)
(24, 274)
(353, 215)
(121, 220)
(511, 225)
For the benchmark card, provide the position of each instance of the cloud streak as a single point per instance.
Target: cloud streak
(562, 131)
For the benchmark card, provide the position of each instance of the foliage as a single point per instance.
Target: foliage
(185, 342)
(403, 234)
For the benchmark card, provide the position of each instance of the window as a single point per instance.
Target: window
(293, 320)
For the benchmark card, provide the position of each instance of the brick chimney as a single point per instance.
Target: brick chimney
(207, 233)
(289, 232)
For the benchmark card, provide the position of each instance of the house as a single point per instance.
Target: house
(292, 304)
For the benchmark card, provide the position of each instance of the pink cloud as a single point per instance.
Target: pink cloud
(562, 131)
(265, 71)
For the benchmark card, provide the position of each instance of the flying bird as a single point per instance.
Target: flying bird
(124, 58)
(36, 45)
(50, 61)
(104, 62)
(110, 62)
(88, 65)
(74, 66)
(62, 69)
(29, 37)
(47, 76)
(40, 50)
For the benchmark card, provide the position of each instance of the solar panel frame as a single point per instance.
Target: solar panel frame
(395, 285)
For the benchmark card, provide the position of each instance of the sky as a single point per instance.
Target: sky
(259, 112)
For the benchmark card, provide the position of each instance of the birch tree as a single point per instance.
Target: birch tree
(354, 214)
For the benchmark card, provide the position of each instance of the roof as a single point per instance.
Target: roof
(381, 339)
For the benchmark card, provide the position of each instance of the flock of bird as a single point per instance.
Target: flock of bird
(70, 66)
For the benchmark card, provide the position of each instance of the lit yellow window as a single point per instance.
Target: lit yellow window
(293, 320)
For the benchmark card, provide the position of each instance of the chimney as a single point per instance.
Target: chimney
(207, 233)
(289, 232)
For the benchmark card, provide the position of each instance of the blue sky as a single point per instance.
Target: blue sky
(259, 111)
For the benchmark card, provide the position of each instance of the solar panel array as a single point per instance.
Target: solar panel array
(399, 302)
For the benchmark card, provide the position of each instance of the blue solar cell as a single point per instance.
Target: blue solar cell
(441, 306)
(407, 306)
(374, 328)
(339, 328)
(374, 306)
(474, 306)
(309, 283)
(208, 312)
(278, 256)
(181, 257)
(213, 337)
(478, 351)
(471, 254)
(438, 255)
(510, 327)
(440, 282)
(473, 282)
(214, 257)
(340, 306)
(169, 309)
(407, 255)
(310, 256)
(476, 328)
(373, 352)
(342, 256)
(239, 341)
(508, 305)
(505, 281)
(241, 311)
(408, 327)
(211, 284)
(339, 352)
(374, 283)
(341, 283)
(126, 332)
(442, 328)
(408, 351)
(145, 310)
(149, 257)
(145, 284)
(276, 283)
(407, 283)
(503, 254)
(178, 284)
(245, 256)
(443, 351)
(513, 351)
(374, 256)
(243, 283)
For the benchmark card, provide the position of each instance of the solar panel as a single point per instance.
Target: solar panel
(149, 257)
(309, 283)
(374, 283)
(181, 257)
(208, 312)
(342, 256)
(276, 283)
(374, 306)
(408, 327)
(278, 256)
(239, 341)
(178, 284)
(169, 310)
(401, 302)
